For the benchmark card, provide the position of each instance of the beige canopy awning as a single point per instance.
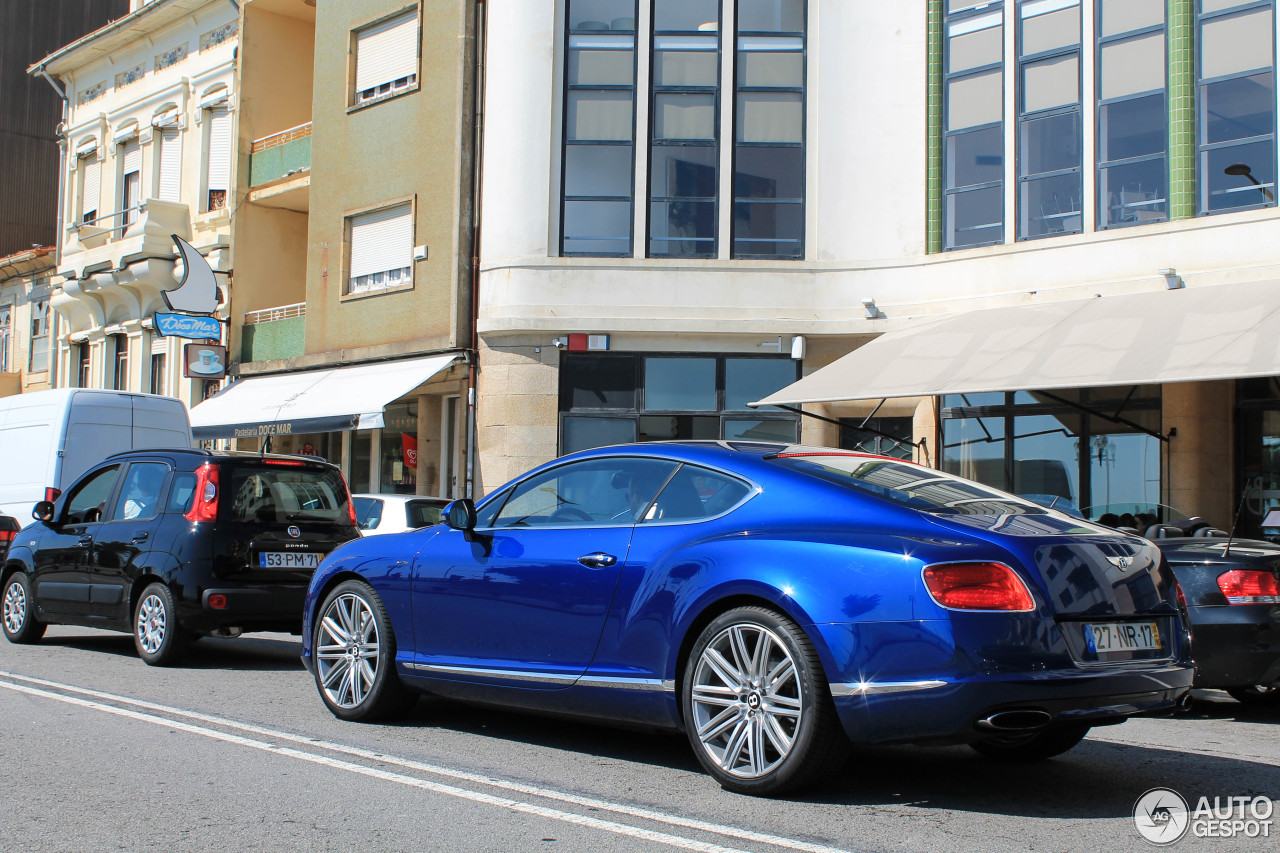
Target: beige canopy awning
(1228, 331)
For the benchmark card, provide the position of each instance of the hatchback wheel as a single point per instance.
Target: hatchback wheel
(156, 634)
(757, 707)
(1046, 743)
(20, 623)
(1260, 695)
(353, 651)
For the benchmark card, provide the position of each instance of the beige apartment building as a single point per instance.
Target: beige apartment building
(351, 239)
(25, 288)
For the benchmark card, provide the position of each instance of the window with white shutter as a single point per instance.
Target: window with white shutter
(130, 180)
(90, 186)
(218, 161)
(381, 249)
(170, 180)
(387, 57)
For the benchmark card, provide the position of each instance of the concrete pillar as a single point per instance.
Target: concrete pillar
(925, 433)
(517, 416)
(1200, 458)
(816, 433)
(429, 444)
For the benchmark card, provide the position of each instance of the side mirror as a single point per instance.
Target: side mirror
(461, 515)
(43, 511)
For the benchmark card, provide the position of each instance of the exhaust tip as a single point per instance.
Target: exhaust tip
(1184, 703)
(1026, 720)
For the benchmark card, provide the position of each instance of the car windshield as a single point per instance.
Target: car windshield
(278, 493)
(925, 489)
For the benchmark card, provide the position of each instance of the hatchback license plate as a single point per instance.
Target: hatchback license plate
(1122, 637)
(289, 559)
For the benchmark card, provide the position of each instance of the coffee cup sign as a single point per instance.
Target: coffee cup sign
(204, 361)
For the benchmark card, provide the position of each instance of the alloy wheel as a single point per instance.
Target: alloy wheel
(15, 607)
(153, 621)
(746, 700)
(347, 650)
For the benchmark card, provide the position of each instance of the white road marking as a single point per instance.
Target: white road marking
(461, 775)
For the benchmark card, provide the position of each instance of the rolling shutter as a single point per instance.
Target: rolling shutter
(92, 167)
(170, 164)
(131, 154)
(387, 52)
(219, 148)
(382, 240)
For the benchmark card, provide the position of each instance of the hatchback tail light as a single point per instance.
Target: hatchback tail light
(978, 586)
(6, 536)
(1242, 586)
(351, 507)
(51, 494)
(205, 505)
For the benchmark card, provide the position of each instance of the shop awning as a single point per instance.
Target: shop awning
(1229, 331)
(339, 398)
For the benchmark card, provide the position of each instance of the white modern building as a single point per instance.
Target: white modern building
(148, 152)
(690, 204)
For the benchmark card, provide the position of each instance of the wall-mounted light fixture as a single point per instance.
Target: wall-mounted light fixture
(869, 308)
(797, 347)
(1172, 280)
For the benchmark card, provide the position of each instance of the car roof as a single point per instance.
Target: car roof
(201, 453)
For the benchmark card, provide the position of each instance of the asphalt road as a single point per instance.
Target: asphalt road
(234, 751)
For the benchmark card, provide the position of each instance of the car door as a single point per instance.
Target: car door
(124, 536)
(523, 600)
(62, 558)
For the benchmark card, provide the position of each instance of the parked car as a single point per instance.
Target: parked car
(378, 514)
(63, 432)
(172, 544)
(776, 602)
(8, 529)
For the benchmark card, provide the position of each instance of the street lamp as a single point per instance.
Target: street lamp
(1242, 170)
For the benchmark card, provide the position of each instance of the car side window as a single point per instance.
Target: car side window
(88, 499)
(368, 513)
(486, 513)
(140, 494)
(695, 493)
(421, 514)
(608, 491)
(181, 492)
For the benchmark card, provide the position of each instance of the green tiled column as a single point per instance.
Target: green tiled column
(1182, 110)
(934, 130)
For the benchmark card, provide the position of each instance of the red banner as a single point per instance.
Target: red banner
(410, 445)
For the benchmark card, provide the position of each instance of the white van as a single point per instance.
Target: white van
(49, 438)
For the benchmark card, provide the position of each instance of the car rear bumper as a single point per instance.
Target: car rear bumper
(941, 711)
(258, 608)
(1236, 645)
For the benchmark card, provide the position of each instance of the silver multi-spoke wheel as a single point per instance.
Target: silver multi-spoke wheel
(15, 607)
(152, 623)
(746, 700)
(347, 650)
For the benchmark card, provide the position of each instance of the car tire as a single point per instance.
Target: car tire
(759, 737)
(1258, 695)
(1046, 743)
(353, 654)
(18, 611)
(158, 637)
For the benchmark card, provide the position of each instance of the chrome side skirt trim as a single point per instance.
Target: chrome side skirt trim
(867, 688)
(620, 683)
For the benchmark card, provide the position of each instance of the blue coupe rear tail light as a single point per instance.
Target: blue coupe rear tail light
(978, 586)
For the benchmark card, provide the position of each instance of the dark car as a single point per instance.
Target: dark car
(775, 602)
(173, 544)
(9, 528)
(1232, 592)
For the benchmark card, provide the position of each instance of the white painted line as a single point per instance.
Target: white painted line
(435, 787)
(461, 775)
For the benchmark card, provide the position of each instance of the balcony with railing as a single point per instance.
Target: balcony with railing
(280, 169)
(273, 333)
(141, 230)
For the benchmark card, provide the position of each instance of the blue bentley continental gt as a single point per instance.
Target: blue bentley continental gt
(777, 603)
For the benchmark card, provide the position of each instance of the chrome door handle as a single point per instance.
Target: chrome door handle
(139, 536)
(84, 541)
(598, 560)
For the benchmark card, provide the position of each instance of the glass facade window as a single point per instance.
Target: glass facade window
(624, 397)
(1236, 105)
(881, 436)
(684, 152)
(39, 336)
(1093, 447)
(1132, 132)
(120, 368)
(158, 368)
(769, 130)
(973, 125)
(599, 128)
(1050, 180)
(398, 471)
(6, 338)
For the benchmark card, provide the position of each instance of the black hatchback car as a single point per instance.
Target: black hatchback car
(171, 544)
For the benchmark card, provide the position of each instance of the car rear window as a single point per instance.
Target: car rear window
(278, 493)
(925, 489)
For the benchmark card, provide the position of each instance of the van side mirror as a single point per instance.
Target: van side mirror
(43, 511)
(461, 515)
